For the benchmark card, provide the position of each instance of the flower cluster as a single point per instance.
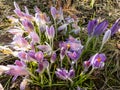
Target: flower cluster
(49, 43)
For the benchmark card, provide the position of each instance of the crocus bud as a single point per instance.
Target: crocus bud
(39, 56)
(91, 26)
(106, 36)
(115, 27)
(50, 32)
(100, 28)
(53, 58)
(53, 12)
(35, 38)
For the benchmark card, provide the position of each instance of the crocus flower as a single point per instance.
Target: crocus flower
(39, 56)
(22, 55)
(106, 36)
(100, 28)
(46, 49)
(35, 38)
(41, 20)
(50, 32)
(20, 43)
(115, 27)
(16, 32)
(53, 12)
(53, 57)
(27, 25)
(74, 56)
(97, 61)
(21, 14)
(91, 26)
(42, 66)
(62, 27)
(64, 74)
(17, 70)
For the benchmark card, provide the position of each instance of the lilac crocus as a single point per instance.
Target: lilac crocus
(21, 14)
(53, 57)
(20, 43)
(17, 70)
(27, 25)
(74, 56)
(35, 38)
(42, 66)
(22, 55)
(53, 12)
(115, 27)
(50, 32)
(39, 56)
(64, 74)
(100, 28)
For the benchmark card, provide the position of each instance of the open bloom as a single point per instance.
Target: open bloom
(17, 70)
(20, 43)
(64, 74)
(96, 61)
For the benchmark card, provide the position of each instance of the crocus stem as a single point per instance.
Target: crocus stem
(50, 80)
(101, 47)
(41, 79)
(61, 63)
(55, 28)
(89, 39)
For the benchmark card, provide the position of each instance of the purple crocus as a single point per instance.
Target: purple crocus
(91, 26)
(50, 32)
(115, 27)
(96, 61)
(64, 74)
(100, 28)
(95, 29)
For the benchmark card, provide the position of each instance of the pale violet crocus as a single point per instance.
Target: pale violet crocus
(65, 74)
(28, 26)
(50, 32)
(106, 37)
(53, 12)
(20, 44)
(21, 14)
(35, 38)
(53, 57)
(17, 70)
